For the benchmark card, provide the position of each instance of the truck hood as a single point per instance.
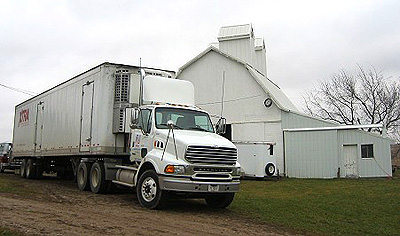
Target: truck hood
(185, 138)
(191, 137)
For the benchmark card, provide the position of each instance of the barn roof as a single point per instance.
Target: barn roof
(269, 87)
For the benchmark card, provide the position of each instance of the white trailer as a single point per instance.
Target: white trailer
(119, 124)
(257, 159)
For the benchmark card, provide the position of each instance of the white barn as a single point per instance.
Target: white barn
(257, 111)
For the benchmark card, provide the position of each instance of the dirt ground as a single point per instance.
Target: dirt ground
(52, 206)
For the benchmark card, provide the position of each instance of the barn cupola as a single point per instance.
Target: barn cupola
(260, 62)
(238, 41)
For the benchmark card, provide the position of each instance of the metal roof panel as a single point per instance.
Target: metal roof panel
(235, 31)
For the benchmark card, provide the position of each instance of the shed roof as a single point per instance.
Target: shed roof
(235, 31)
(269, 87)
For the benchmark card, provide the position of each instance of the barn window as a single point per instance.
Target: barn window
(367, 151)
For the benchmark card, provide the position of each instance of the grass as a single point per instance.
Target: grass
(8, 232)
(16, 187)
(329, 207)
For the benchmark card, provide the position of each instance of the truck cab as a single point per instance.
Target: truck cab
(178, 150)
(5, 156)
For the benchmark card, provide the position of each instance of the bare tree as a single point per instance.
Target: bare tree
(366, 97)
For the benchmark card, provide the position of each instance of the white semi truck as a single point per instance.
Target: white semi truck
(126, 125)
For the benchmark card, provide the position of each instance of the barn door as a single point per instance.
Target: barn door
(39, 127)
(350, 161)
(86, 116)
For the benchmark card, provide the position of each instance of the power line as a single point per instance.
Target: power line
(20, 90)
(231, 100)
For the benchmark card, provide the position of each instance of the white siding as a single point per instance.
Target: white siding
(320, 154)
(242, 49)
(380, 165)
(244, 98)
(293, 120)
(260, 56)
(311, 154)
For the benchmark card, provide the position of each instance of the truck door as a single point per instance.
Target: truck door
(86, 116)
(141, 140)
(39, 127)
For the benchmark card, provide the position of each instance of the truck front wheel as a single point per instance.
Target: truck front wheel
(220, 200)
(82, 176)
(148, 190)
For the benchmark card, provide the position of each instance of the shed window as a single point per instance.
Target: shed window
(367, 151)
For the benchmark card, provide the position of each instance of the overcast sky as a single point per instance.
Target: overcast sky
(43, 43)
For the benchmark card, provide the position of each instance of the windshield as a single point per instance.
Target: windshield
(183, 119)
(5, 147)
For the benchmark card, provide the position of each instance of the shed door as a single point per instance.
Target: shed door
(86, 116)
(39, 127)
(350, 161)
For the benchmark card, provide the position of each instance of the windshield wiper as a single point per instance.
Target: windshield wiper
(166, 126)
(198, 128)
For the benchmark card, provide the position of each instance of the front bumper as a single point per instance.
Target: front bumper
(187, 185)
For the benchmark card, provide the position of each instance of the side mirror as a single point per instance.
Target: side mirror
(221, 126)
(134, 118)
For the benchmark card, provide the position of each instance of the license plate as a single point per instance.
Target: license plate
(213, 188)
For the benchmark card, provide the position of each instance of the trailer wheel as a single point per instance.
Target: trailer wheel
(270, 169)
(30, 169)
(148, 190)
(98, 183)
(219, 200)
(23, 168)
(82, 176)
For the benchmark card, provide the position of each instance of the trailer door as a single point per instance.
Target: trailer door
(86, 116)
(39, 127)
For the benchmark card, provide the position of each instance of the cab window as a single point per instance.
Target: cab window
(145, 120)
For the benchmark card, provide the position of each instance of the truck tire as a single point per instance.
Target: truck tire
(82, 176)
(148, 190)
(30, 169)
(1, 168)
(270, 169)
(220, 200)
(23, 168)
(98, 183)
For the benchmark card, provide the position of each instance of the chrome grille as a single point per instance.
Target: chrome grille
(211, 155)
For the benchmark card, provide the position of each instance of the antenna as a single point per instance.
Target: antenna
(223, 92)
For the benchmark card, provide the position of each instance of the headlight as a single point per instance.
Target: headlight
(174, 169)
